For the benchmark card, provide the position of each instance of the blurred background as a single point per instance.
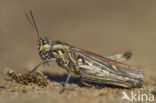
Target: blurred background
(105, 27)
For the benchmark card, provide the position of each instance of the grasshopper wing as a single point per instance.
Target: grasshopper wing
(99, 68)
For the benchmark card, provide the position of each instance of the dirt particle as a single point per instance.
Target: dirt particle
(3, 87)
(108, 93)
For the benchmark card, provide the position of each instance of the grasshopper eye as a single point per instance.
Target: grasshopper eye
(46, 47)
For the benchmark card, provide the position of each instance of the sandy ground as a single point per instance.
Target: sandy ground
(103, 27)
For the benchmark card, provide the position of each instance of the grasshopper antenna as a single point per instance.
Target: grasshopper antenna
(33, 23)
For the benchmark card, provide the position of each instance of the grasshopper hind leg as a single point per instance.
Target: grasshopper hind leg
(90, 83)
(84, 83)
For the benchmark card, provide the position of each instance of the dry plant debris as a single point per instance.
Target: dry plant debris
(37, 78)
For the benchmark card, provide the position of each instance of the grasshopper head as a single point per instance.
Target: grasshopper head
(43, 43)
(44, 48)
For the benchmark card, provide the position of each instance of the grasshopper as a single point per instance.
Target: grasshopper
(90, 67)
